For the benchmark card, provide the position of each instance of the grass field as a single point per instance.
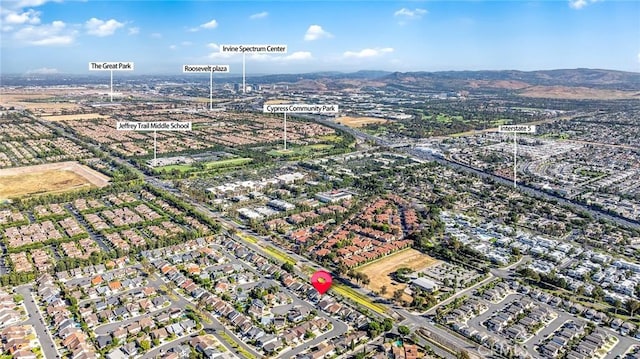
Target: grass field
(232, 162)
(279, 255)
(49, 178)
(300, 151)
(442, 118)
(359, 121)
(379, 272)
(358, 298)
(330, 138)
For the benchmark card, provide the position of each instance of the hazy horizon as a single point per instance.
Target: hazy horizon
(254, 74)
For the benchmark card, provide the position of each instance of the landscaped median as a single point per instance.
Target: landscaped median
(279, 255)
(248, 238)
(357, 298)
(240, 350)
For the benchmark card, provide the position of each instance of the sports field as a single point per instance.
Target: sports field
(48, 178)
(379, 272)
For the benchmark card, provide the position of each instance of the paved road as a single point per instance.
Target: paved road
(92, 234)
(37, 321)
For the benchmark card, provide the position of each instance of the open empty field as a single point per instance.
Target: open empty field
(359, 121)
(379, 272)
(275, 102)
(39, 102)
(49, 178)
(82, 116)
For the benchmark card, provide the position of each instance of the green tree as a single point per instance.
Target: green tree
(288, 267)
(617, 304)
(632, 305)
(145, 345)
(404, 330)
(373, 329)
(387, 324)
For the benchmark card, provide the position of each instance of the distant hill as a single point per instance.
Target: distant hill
(613, 84)
(511, 79)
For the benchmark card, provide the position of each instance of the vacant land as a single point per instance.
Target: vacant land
(49, 178)
(82, 116)
(40, 102)
(275, 102)
(379, 272)
(359, 121)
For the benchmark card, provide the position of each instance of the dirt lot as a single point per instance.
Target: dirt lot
(359, 121)
(379, 272)
(276, 102)
(49, 178)
(35, 101)
(84, 116)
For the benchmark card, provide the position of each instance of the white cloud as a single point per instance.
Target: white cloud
(173, 47)
(134, 31)
(156, 35)
(46, 35)
(579, 4)
(260, 15)
(27, 17)
(210, 25)
(29, 3)
(186, 43)
(410, 14)
(207, 25)
(216, 54)
(43, 71)
(298, 55)
(102, 28)
(315, 32)
(639, 57)
(368, 52)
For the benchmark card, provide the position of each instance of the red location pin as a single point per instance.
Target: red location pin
(321, 281)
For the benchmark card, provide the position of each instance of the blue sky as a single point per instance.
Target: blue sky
(43, 36)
